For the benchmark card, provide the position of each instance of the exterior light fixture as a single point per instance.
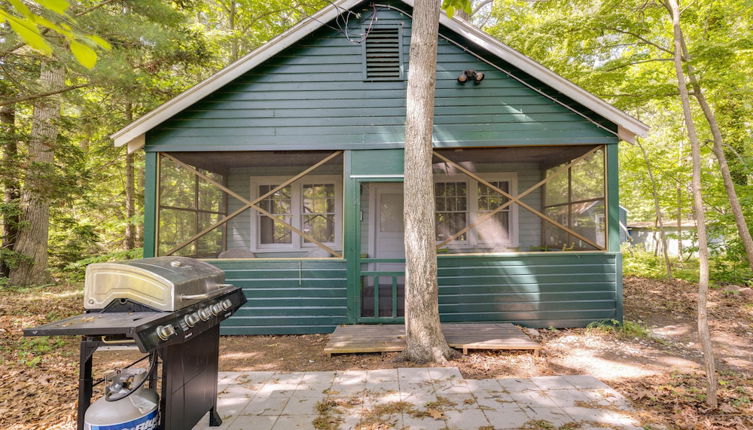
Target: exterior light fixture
(470, 75)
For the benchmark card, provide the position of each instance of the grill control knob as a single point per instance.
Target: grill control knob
(205, 313)
(216, 308)
(191, 319)
(165, 331)
(227, 304)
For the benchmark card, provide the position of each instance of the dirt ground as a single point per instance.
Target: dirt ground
(654, 360)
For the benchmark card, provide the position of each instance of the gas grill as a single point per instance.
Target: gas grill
(170, 307)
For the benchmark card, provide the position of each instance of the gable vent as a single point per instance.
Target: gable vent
(382, 55)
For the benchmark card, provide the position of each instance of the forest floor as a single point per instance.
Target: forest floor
(653, 360)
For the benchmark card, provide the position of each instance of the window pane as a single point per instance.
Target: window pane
(278, 204)
(496, 229)
(451, 209)
(319, 212)
(391, 213)
(489, 199)
(320, 227)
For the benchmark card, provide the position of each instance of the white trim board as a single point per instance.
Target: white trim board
(132, 135)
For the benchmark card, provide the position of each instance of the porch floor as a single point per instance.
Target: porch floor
(349, 339)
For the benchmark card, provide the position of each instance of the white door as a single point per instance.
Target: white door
(387, 224)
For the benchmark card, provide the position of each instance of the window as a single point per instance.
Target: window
(312, 205)
(319, 212)
(463, 202)
(280, 205)
(496, 229)
(451, 208)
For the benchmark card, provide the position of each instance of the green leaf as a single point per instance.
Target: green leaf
(29, 32)
(450, 11)
(21, 8)
(57, 6)
(85, 55)
(102, 43)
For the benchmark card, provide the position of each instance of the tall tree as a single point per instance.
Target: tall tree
(11, 195)
(31, 268)
(425, 341)
(719, 152)
(698, 206)
(130, 191)
(657, 208)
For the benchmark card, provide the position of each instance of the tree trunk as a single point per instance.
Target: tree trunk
(718, 149)
(657, 208)
(679, 207)
(11, 193)
(140, 198)
(425, 341)
(32, 238)
(703, 251)
(130, 192)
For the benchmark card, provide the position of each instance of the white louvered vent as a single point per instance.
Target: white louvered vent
(382, 54)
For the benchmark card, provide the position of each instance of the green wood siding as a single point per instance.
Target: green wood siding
(287, 296)
(535, 290)
(313, 96)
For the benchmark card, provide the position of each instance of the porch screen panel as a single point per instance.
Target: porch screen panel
(250, 204)
(577, 199)
(187, 205)
(520, 199)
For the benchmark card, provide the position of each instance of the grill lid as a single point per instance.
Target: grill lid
(161, 283)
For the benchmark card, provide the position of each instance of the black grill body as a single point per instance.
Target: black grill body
(186, 342)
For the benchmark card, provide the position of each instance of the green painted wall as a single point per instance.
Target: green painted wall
(313, 96)
(535, 290)
(287, 296)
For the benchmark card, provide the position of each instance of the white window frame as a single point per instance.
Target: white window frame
(296, 193)
(472, 238)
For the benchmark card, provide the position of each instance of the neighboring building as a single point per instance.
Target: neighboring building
(647, 236)
(285, 169)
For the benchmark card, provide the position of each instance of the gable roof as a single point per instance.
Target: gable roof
(133, 134)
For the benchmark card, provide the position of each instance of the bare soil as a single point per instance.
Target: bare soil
(654, 360)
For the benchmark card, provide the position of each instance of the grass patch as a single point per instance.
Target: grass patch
(613, 327)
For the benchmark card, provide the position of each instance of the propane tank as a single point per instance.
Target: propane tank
(126, 405)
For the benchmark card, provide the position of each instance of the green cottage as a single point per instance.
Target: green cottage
(285, 170)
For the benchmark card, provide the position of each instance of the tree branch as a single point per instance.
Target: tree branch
(44, 31)
(633, 63)
(39, 96)
(481, 5)
(641, 38)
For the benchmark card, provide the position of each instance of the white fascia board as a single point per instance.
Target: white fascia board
(133, 134)
(629, 124)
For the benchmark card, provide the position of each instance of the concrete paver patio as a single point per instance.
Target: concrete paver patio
(415, 398)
